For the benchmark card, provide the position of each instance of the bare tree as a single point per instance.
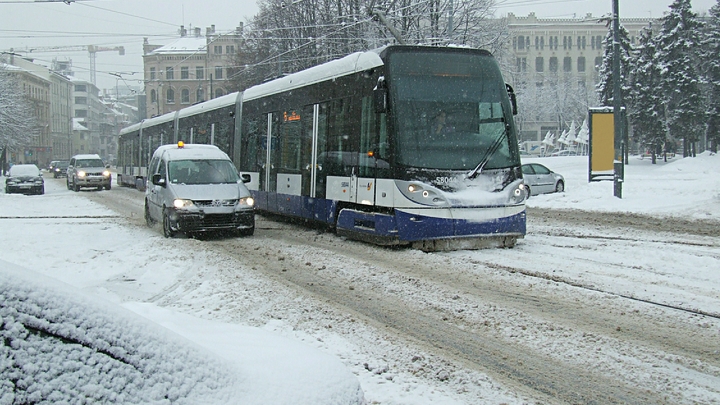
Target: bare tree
(287, 36)
(18, 125)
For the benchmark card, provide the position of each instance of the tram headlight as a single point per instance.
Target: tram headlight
(181, 203)
(519, 193)
(413, 188)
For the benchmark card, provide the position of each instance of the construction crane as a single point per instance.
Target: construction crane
(92, 51)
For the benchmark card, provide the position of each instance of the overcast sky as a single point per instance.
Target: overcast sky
(112, 23)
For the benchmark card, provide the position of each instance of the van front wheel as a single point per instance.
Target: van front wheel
(148, 219)
(167, 231)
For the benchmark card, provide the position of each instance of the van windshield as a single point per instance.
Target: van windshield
(202, 171)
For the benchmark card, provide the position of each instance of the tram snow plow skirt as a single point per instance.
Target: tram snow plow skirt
(494, 241)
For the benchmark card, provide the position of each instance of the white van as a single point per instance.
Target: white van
(196, 188)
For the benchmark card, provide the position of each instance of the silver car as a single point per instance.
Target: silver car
(540, 180)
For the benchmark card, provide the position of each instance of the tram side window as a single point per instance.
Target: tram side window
(373, 138)
(291, 145)
(254, 146)
(225, 130)
(342, 144)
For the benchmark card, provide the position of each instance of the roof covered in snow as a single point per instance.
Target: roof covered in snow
(183, 45)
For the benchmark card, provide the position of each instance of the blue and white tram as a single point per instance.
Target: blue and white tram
(404, 145)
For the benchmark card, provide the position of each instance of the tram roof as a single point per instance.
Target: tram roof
(149, 122)
(353, 63)
(215, 103)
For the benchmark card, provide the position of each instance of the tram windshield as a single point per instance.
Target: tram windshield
(451, 111)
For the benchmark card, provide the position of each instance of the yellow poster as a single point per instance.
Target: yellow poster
(602, 141)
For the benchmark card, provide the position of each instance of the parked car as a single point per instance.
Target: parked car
(60, 168)
(564, 153)
(26, 179)
(540, 180)
(88, 171)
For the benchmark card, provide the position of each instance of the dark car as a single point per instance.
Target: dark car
(539, 179)
(60, 168)
(25, 179)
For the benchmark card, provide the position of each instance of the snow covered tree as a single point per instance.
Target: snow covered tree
(678, 56)
(18, 124)
(605, 87)
(711, 70)
(645, 100)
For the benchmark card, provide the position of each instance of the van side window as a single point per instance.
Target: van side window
(161, 170)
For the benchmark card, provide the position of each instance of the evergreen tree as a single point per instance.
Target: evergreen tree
(646, 112)
(605, 86)
(711, 70)
(678, 56)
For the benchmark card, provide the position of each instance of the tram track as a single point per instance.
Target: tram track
(473, 339)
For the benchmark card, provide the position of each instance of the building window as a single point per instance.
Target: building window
(153, 96)
(199, 73)
(171, 96)
(583, 42)
(553, 64)
(542, 43)
(185, 96)
(169, 73)
(78, 87)
(199, 95)
(219, 93)
(598, 62)
(569, 42)
(81, 100)
(537, 43)
(581, 64)
(152, 73)
(218, 49)
(218, 72)
(567, 64)
(81, 113)
(230, 49)
(539, 64)
(521, 64)
(184, 73)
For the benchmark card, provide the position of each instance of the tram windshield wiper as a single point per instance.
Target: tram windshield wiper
(489, 153)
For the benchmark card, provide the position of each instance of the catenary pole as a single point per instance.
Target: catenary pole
(617, 105)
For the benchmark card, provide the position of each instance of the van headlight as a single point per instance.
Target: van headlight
(181, 203)
(246, 201)
(106, 173)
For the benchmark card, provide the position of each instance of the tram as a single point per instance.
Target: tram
(404, 145)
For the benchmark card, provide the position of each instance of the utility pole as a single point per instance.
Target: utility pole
(620, 146)
(451, 11)
(381, 16)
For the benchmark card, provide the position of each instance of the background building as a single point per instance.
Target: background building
(189, 70)
(553, 64)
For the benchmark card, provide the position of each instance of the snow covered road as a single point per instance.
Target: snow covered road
(589, 308)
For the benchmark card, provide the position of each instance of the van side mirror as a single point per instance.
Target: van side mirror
(513, 98)
(245, 178)
(158, 180)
